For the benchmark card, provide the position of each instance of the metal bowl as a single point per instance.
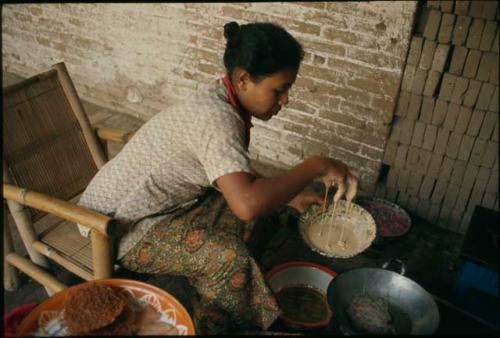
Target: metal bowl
(301, 273)
(413, 309)
(360, 223)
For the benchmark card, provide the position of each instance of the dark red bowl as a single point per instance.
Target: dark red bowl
(390, 218)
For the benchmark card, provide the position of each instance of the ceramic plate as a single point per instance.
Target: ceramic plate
(46, 318)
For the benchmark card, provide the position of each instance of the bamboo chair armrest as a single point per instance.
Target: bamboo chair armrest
(71, 212)
(115, 135)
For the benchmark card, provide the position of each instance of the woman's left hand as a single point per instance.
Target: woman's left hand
(304, 199)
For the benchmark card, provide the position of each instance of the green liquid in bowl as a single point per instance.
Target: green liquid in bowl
(303, 303)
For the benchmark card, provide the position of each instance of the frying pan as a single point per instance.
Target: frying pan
(413, 310)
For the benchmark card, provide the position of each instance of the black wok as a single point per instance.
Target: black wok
(413, 310)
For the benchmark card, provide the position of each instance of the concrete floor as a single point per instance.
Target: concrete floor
(431, 253)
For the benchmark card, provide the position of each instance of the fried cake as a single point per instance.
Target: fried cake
(92, 306)
(124, 325)
(96, 309)
(370, 315)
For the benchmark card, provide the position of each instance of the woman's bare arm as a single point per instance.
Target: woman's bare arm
(250, 197)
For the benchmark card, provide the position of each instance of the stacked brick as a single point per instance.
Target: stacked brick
(442, 153)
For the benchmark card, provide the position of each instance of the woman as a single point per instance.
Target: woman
(185, 192)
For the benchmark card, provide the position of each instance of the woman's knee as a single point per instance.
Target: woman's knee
(231, 252)
(225, 263)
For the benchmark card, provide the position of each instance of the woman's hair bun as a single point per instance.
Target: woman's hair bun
(230, 30)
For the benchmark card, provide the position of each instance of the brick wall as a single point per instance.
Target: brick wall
(140, 58)
(442, 151)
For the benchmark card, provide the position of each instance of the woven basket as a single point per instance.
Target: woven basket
(357, 221)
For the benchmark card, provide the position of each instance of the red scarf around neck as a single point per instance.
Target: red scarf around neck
(233, 101)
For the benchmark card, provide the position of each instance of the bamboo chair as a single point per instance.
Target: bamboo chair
(50, 155)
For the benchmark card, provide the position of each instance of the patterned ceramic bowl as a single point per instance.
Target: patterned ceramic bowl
(339, 232)
(46, 319)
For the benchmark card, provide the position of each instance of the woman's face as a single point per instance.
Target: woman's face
(264, 98)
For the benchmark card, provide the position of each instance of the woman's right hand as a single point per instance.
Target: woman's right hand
(339, 174)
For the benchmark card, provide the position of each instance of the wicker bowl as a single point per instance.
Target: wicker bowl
(358, 224)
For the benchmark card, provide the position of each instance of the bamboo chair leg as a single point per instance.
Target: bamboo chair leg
(19, 213)
(49, 282)
(27, 232)
(10, 275)
(102, 255)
